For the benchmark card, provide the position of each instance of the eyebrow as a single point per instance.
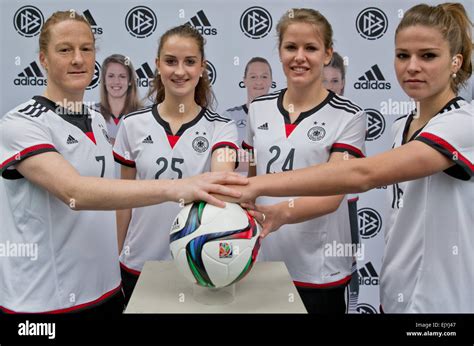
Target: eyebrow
(186, 57)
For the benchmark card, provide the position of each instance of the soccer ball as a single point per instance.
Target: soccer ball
(214, 247)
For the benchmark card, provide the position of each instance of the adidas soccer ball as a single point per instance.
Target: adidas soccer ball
(214, 247)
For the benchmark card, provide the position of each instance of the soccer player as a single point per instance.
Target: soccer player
(334, 79)
(55, 161)
(297, 127)
(118, 91)
(177, 137)
(429, 243)
(257, 81)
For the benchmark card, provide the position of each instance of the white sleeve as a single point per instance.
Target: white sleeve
(226, 136)
(352, 138)
(451, 134)
(20, 138)
(122, 151)
(247, 144)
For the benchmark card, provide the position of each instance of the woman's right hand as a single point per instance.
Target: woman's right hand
(202, 188)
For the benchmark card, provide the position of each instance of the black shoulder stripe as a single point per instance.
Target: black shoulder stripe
(34, 110)
(349, 110)
(271, 96)
(343, 101)
(140, 111)
(211, 116)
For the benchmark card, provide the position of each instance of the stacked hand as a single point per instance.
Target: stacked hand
(269, 216)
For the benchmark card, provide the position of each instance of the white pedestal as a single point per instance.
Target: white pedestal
(268, 288)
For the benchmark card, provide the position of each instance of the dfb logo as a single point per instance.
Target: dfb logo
(31, 76)
(96, 79)
(211, 72)
(256, 22)
(371, 23)
(144, 75)
(368, 275)
(375, 124)
(364, 308)
(370, 222)
(202, 24)
(28, 21)
(372, 79)
(140, 22)
(97, 30)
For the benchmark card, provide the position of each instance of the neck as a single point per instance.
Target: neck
(429, 107)
(117, 105)
(178, 108)
(70, 101)
(303, 98)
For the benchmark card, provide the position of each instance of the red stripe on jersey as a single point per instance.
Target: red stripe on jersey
(326, 285)
(448, 147)
(172, 140)
(72, 308)
(289, 129)
(224, 145)
(116, 120)
(355, 199)
(349, 148)
(123, 160)
(246, 146)
(25, 152)
(131, 271)
(91, 136)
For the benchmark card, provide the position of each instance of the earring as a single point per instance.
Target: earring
(454, 75)
(200, 76)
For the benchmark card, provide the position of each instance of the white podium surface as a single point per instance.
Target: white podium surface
(268, 288)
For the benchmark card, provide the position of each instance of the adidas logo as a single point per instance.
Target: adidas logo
(373, 79)
(263, 127)
(71, 140)
(31, 75)
(202, 24)
(148, 140)
(368, 276)
(95, 28)
(175, 224)
(145, 75)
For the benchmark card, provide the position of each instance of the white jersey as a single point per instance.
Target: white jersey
(72, 262)
(113, 123)
(428, 264)
(335, 125)
(239, 115)
(145, 141)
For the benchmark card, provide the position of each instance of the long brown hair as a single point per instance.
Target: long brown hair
(452, 21)
(132, 102)
(203, 94)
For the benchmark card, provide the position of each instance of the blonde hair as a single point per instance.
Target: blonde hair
(309, 16)
(55, 18)
(452, 21)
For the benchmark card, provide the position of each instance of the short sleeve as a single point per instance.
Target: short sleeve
(451, 134)
(122, 151)
(247, 143)
(20, 138)
(352, 138)
(226, 136)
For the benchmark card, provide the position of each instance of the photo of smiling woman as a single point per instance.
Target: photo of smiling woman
(178, 136)
(118, 91)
